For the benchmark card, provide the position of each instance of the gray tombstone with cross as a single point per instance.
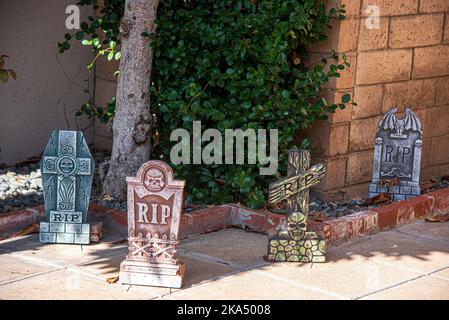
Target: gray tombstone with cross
(67, 171)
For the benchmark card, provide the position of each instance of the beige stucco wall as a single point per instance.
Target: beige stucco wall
(404, 63)
(47, 93)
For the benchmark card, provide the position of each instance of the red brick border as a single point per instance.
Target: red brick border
(12, 221)
(216, 218)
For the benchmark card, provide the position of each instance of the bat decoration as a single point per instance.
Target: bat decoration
(411, 121)
(391, 122)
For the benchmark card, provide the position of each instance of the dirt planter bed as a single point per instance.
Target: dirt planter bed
(215, 218)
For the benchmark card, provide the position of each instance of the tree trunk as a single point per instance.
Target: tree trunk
(133, 121)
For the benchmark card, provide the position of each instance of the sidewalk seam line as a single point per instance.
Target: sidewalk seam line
(443, 243)
(36, 261)
(44, 261)
(267, 274)
(439, 277)
(200, 284)
(423, 276)
(28, 277)
(432, 274)
(391, 286)
(423, 273)
(331, 293)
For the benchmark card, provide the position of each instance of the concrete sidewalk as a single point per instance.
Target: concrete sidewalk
(411, 262)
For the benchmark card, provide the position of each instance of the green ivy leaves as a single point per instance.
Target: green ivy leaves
(230, 64)
(5, 73)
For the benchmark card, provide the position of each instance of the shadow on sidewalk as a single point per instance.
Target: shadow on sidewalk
(234, 251)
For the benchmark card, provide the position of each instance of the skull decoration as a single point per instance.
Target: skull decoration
(418, 143)
(378, 140)
(154, 180)
(66, 165)
(297, 225)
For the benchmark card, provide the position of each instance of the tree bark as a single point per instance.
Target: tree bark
(132, 122)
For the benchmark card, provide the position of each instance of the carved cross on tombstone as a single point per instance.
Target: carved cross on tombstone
(67, 172)
(293, 243)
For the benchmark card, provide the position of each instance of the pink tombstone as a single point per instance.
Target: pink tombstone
(154, 214)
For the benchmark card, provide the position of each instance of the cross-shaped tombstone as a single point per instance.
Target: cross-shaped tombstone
(293, 242)
(67, 172)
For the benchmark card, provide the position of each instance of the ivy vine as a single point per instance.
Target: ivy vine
(229, 64)
(5, 73)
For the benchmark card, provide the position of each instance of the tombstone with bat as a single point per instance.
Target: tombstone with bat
(397, 156)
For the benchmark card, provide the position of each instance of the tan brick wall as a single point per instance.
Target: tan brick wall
(404, 63)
